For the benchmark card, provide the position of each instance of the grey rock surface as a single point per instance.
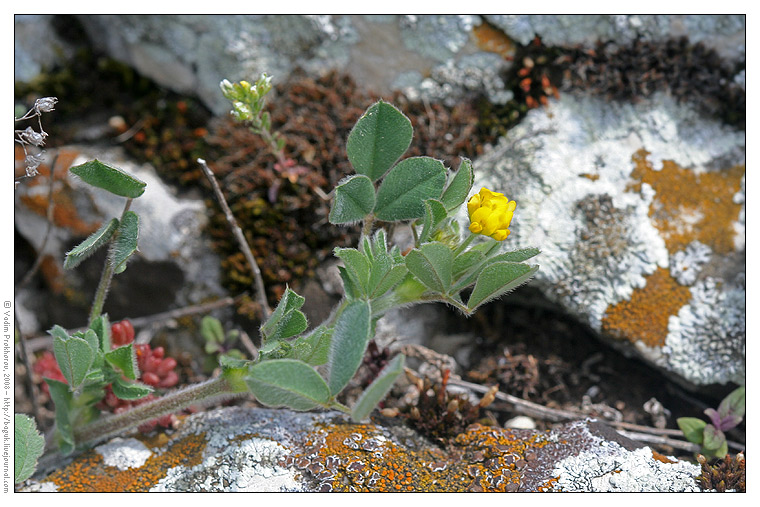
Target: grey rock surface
(36, 47)
(612, 220)
(245, 449)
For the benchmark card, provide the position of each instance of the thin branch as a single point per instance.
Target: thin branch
(248, 344)
(24, 353)
(238, 233)
(49, 214)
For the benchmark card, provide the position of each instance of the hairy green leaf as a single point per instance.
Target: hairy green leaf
(377, 390)
(126, 241)
(378, 139)
(692, 428)
(126, 390)
(287, 383)
(212, 330)
(28, 445)
(357, 266)
(110, 178)
(286, 319)
(88, 247)
(102, 329)
(354, 200)
(432, 264)
(497, 279)
(350, 337)
(466, 260)
(61, 396)
(314, 348)
(515, 255)
(407, 185)
(459, 186)
(123, 360)
(74, 357)
(435, 213)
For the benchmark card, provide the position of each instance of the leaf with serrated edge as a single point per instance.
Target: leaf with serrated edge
(90, 245)
(287, 383)
(378, 140)
(432, 264)
(28, 445)
(109, 178)
(126, 241)
(74, 357)
(377, 390)
(497, 279)
(350, 337)
(459, 186)
(407, 185)
(354, 200)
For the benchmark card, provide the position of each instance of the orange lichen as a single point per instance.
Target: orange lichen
(360, 458)
(645, 316)
(65, 213)
(491, 39)
(88, 473)
(661, 457)
(688, 206)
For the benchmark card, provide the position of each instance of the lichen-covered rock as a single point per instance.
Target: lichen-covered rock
(172, 248)
(639, 213)
(724, 33)
(242, 449)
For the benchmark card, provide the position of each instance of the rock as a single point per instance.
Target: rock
(36, 47)
(244, 449)
(724, 33)
(639, 213)
(172, 249)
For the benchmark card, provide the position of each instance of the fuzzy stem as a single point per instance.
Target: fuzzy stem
(461, 248)
(172, 402)
(106, 275)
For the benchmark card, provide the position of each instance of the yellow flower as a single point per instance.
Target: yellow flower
(490, 214)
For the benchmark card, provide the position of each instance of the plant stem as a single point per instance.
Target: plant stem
(238, 233)
(197, 394)
(461, 248)
(106, 275)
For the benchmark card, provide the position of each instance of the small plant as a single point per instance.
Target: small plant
(728, 474)
(296, 368)
(710, 436)
(217, 342)
(29, 137)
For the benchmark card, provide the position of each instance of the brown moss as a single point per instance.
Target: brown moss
(88, 473)
(645, 315)
(688, 206)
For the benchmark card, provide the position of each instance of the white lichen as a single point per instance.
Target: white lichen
(686, 264)
(124, 453)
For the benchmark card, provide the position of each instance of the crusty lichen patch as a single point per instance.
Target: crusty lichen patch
(351, 457)
(645, 316)
(89, 473)
(689, 205)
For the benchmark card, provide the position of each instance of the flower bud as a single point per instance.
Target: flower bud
(45, 104)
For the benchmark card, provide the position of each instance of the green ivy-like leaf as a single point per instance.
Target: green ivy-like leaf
(350, 337)
(93, 242)
(124, 360)
(126, 241)
(378, 140)
(432, 263)
(459, 186)
(378, 389)
(287, 383)
(28, 445)
(692, 428)
(109, 178)
(61, 396)
(497, 279)
(435, 213)
(407, 186)
(74, 357)
(354, 200)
